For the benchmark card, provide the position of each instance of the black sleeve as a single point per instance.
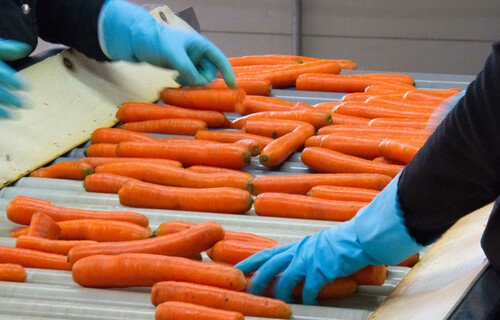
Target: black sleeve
(458, 169)
(72, 23)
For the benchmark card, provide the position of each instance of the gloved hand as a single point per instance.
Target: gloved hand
(376, 235)
(9, 79)
(128, 32)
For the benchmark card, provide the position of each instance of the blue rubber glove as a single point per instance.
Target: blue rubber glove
(9, 79)
(128, 32)
(376, 235)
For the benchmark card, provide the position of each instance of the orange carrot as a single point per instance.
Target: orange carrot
(21, 209)
(387, 161)
(362, 146)
(223, 299)
(326, 160)
(101, 150)
(399, 122)
(144, 270)
(314, 141)
(251, 145)
(343, 193)
(116, 135)
(395, 88)
(317, 118)
(363, 96)
(208, 169)
(302, 183)
(64, 170)
(12, 272)
(254, 104)
(140, 111)
(148, 195)
(175, 310)
(19, 232)
(33, 259)
(303, 106)
(269, 59)
(376, 110)
(297, 206)
(43, 226)
(399, 149)
(234, 251)
(97, 161)
(410, 261)
(47, 245)
(394, 77)
(187, 127)
(186, 243)
(327, 106)
(217, 155)
(272, 128)
(228, 137)
(204, 99)
(261, 87)
(105, 182)
(241, 71)
(431, 95)
(370, 276)
(280, 149)
(102, 230)
(344, 64)
(402, 102)
(353, 130)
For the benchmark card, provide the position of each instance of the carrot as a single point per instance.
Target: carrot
(228, 137)
(272, 128)
(261, 87)
(186, 243)
(362, 146)
(47, 245)
(204, 99)
(217, 155)
(420, 124)
(43, 226)
(302, 183)
(297, 206)
(381, 88)
(187, 127)
(218, 298)
(97, 161)
(303, 106)
(251, 145)
(363, 96)
(376, 110)
(254, 104)
(148, 195)
(410, 261)
(101, 150)
(343, 193)
(269, 59)
(144, 270)
(139, 111)
(116, 135)
(12, 272)
(353, 130)
(326, 160)
(19, 232)
(314, 141)
(280, 149)
(394, 77)
(175, 310)
(344, 64)
(105, 182)
(327, 106)
(102, 230)
(317, 118)
(64, 170)
(33, 259)
(399, 149)
(370, 276)
(431, 95)
(177, 177)
(21, 209)
(208, 169)
(242, 71)
(234, 251)
(402, 102)
(387, 161)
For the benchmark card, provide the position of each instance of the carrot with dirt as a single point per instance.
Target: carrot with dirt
(101, 150)
(97, 161)
(186, 127)
(370, 276)
(218, 155)
(71, 170)
(272, 128)
(175, 310)
(261, 87)
(21, 209)
(302, 183)
(229, 137)
(235, 251)
(33, 259)
(12, 272)
(144, 270)
(280, 149)
(402, 150)
(268, 59)
(413, 123)
(221, 200)
(343, 193)
(186, 243)
(52, 246)
(218, 298)
(317, 118)
(140, 111)
(378, 110)
(221, 100)
(326, 160)
(254, 104)
(105, 182)
(273, 204)
(102, 230)
(117, 135)
(43, 226)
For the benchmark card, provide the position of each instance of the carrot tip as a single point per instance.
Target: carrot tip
(250, 187)
(87, 171)
(329, 120)
(247, 157)
(264, 158)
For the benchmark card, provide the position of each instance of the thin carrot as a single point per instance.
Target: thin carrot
(139, 111)
(269, 59)
(410, 261)
(362, 146)
(297, 206)
(354, 130)
(280, 149)
(317, 118)
(272, 128)
(148, 195)
(261, 87)
(186, 243)
(175, 310)
(386, 77)
(234, 251)
(33, 259)
(105, 182)
(12, 272)
(370, 276)
(217, 155)
(399, 122)
(101, 150)
(302, 183)
(223, 299)
(254, 104)
(343, 193)
(21, 209)
(204, 99)
(431, 95)
(401, 150)
(142, 269)
(64, 170)
(228, 137)
(48, 245)
(372, 110)
(117, 135)
(251, 145)
(187, 127)
(43, 226)
(97, 161)
(344, 64)
(102, 230)
(326, 160)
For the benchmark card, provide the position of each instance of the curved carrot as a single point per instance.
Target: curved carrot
(272, 128)
(223, 299)
(182, 126)
(21, 209)
(139, 111)
(377, 110)
(228, 137)
(234, 251)
(370, 276)
(326, 160)
(186, 243)
(431, 95)
(343, 193)
(33, 259)
(148, 195)
(97, 161)
(43, 226)
(204, 99)
(217, 155)
(410, 261)
(101, 150)
(353, 130)
(420, 124)
(12, 272)
(297, 206)
(102, 230)
(175, 310)
(401, 150)
(317, 118)
(47, 245)
(302, 183)
(254, 104)
(261, 87)
(64, 170)
(269, 59)
(105, 182)
(117, 135)
(280, 149)
(144, 270)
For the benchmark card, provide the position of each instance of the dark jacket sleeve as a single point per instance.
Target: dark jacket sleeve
(72, 23)
(458, 169)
